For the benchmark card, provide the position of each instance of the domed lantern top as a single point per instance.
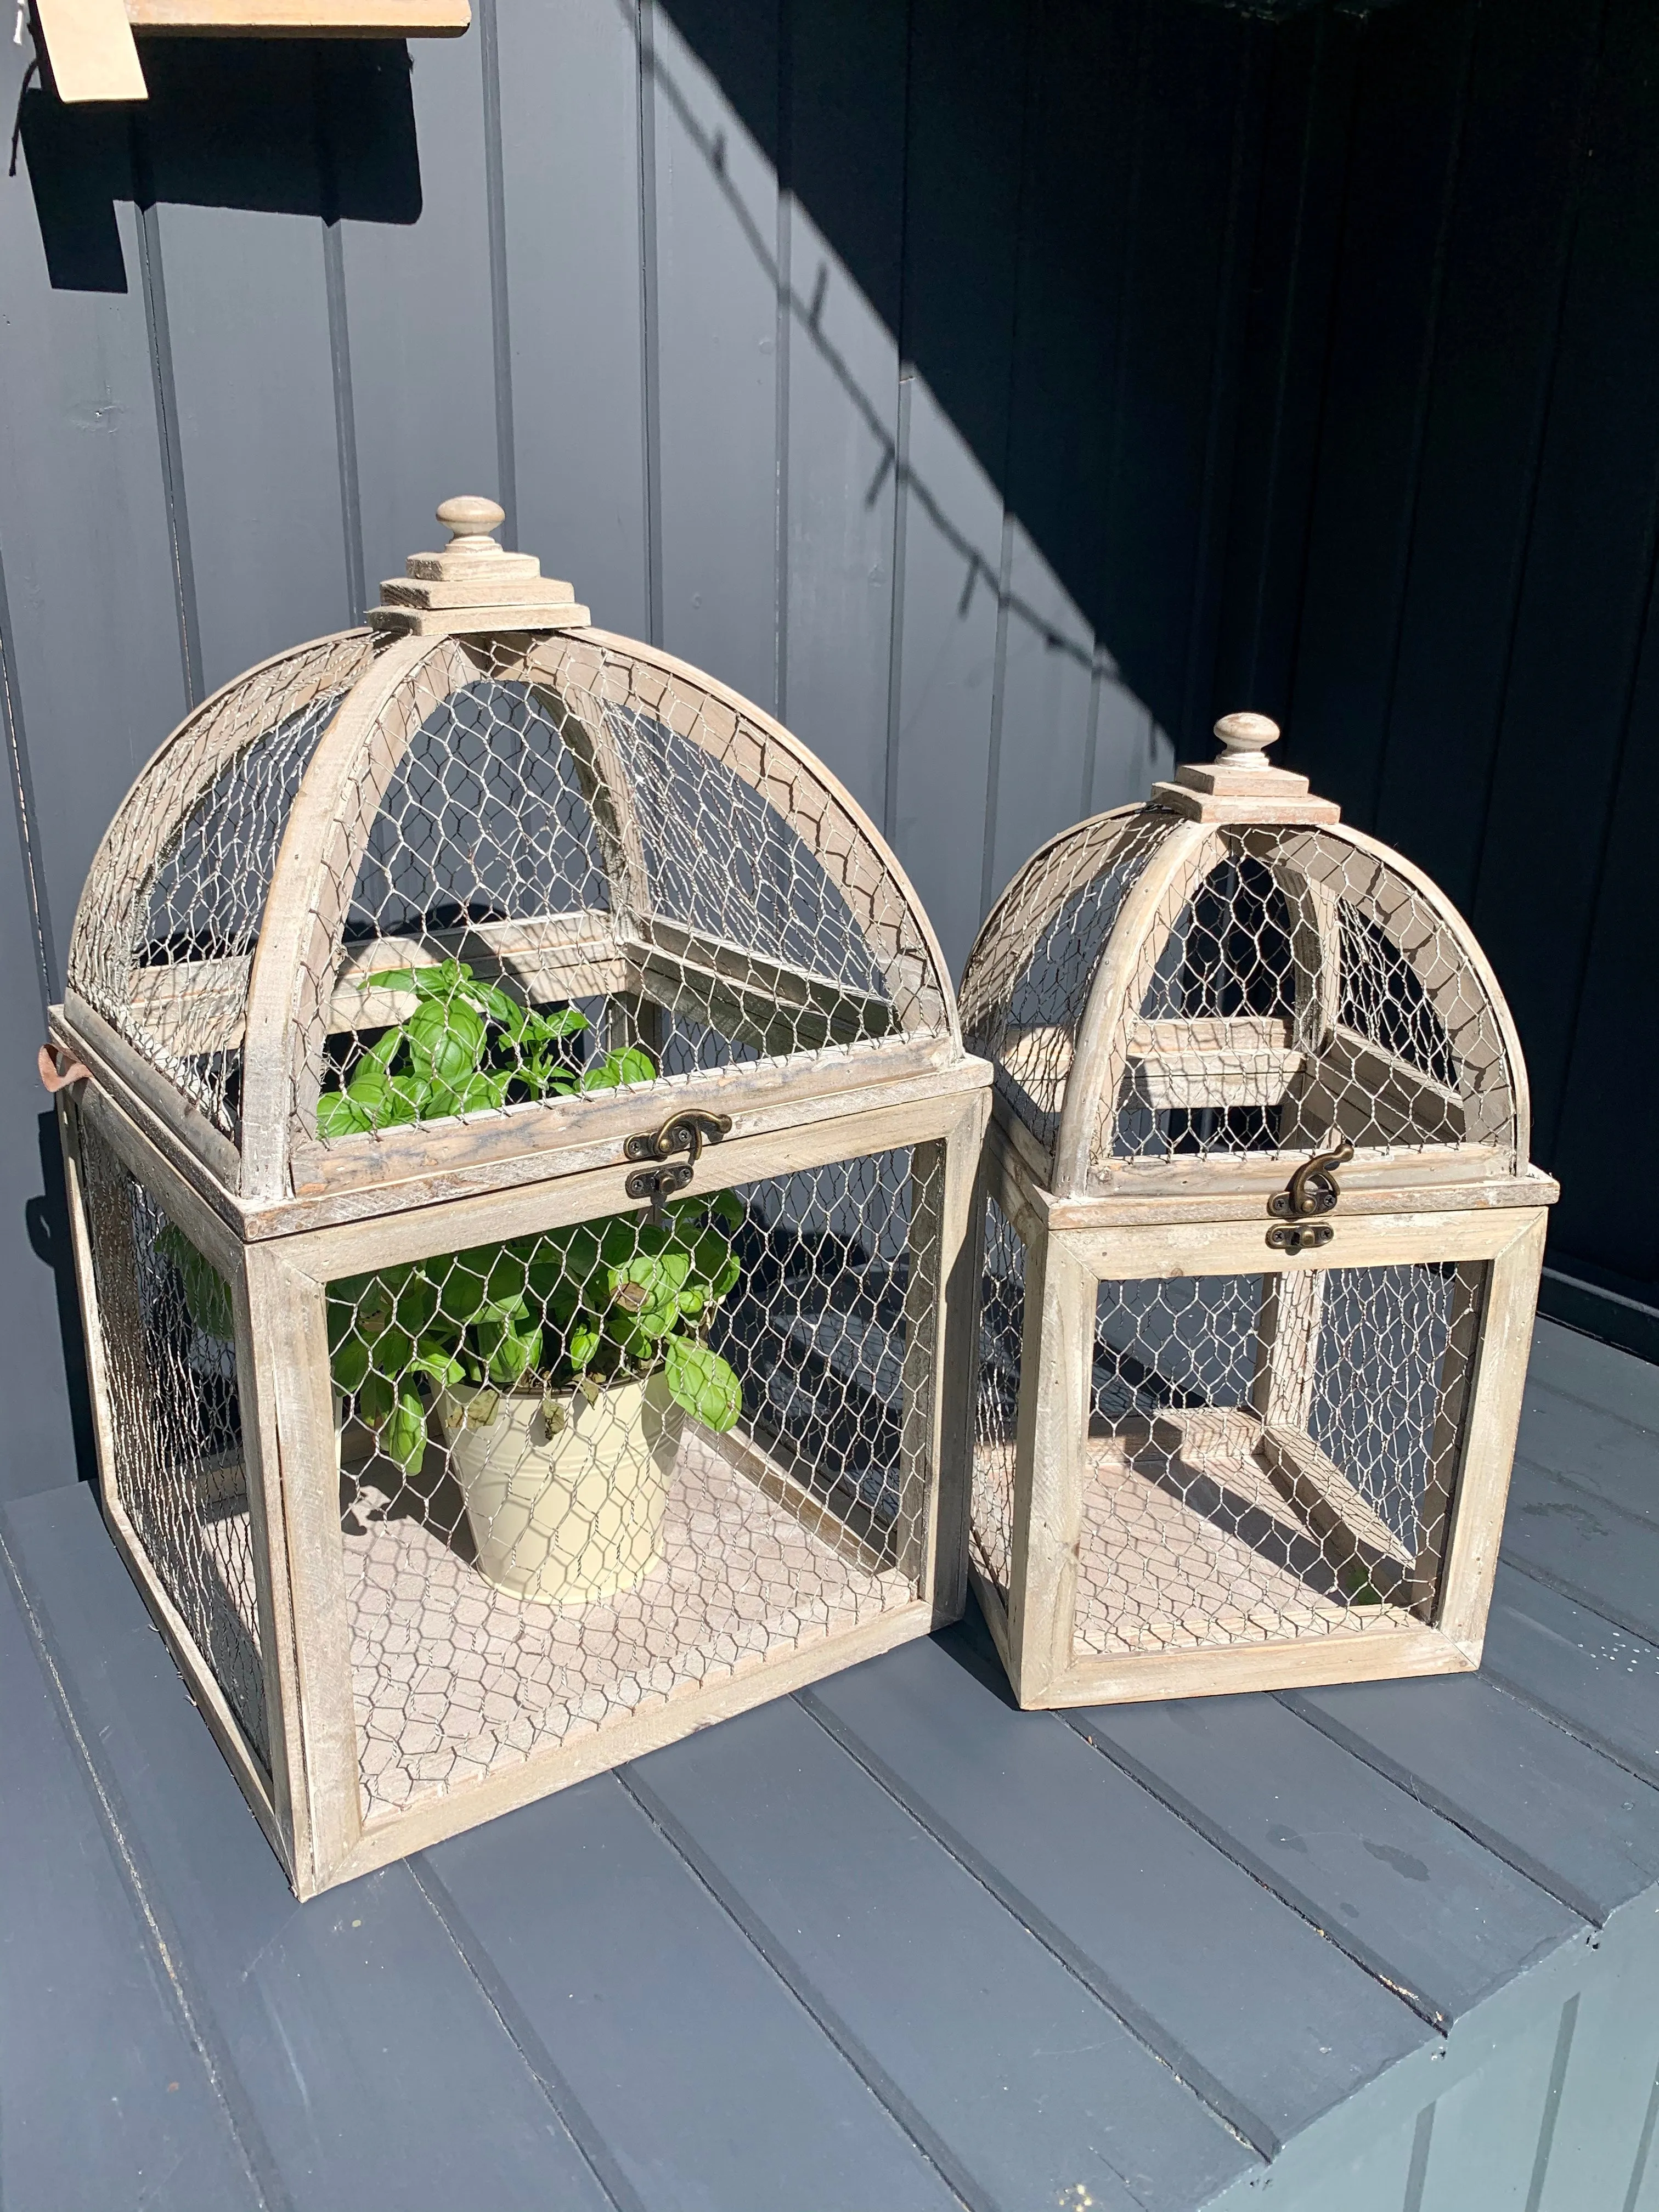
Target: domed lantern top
(1212, 985)
(482, 806)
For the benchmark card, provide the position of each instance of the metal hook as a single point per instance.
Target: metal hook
(684, 1131)
(1313, 1188)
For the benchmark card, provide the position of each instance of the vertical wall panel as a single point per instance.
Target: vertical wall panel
(716, 222)
(843, 136)
(418, 325)
(98, 677)
(248, 313)
(41, 1372)
(1176, 377)
(946, 664)
(968, 69)
(1076, 215)
(1605, 2090)
(570, 154)
(93, 677)
(1607, 1224)
(1485, 2144)
(1406, 133)
(1047, 691)
(1493, 349)
(1588, 573)
(1301, 204)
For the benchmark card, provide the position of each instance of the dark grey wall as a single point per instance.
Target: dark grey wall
(1442, 578)
(993, 387)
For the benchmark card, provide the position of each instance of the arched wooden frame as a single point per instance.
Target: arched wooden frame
(279, 1004)
(1034, 1063)
(157, 810)
(1311, 867)
(303, 982)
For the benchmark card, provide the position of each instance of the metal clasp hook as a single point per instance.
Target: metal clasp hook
(1311, 1191)
(1313, 1188)
(683, 1131)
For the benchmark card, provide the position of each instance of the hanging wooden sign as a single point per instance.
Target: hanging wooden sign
(94, 55)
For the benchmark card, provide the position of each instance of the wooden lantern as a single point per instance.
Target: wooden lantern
(526, 1141)
(1260, 1252)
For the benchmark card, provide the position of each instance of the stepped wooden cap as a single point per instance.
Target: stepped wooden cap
(1240, 785)
(474, 583)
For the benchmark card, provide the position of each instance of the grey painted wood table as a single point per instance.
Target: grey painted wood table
(887, 1944)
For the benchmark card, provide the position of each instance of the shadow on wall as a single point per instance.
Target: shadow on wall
(1051, 209)
(292, 127)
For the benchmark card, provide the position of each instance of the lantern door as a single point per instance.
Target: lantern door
(1245, 1466)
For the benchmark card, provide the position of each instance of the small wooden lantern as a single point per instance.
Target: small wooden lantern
(526, 1143)
(1262, 1248)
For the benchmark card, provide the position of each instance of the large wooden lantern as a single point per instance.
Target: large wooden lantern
(1261, 1248)
(524, 1143)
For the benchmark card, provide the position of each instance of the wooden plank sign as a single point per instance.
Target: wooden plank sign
(94, 55)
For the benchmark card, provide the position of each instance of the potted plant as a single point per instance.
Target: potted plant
(468, 1045)
(558, 1369)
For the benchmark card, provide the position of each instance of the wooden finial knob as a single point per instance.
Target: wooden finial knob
(469, 522)
(1244, 740)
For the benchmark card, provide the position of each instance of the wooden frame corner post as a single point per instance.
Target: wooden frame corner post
(1047, 1522)
(296, 1410)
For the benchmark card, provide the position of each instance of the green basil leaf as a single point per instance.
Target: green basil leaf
(493, 1001)
(702, 1382)
(339, 1115)
(405, 1101)
(403, 1433)
(375, 1398)
(445, 1039)
(440, 980)
(368, 1085)
(565, 1022)
(631, 1066)
(441, 1366)
(508, 1355)
(350, 1365)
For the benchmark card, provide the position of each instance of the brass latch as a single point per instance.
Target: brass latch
(1311, 1191)
(682, 1132)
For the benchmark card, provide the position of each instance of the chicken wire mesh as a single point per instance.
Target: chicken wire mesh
(1301, 993)
(1271, 1457)
(1028, 981)
(996, 1397)
(1304, 994)
(164, 939)
(584, 871)
(586, 1470)
(549, 867)
(165, 1319)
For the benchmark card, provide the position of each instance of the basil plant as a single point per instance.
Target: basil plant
(467, 1046)
(574, 1308)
